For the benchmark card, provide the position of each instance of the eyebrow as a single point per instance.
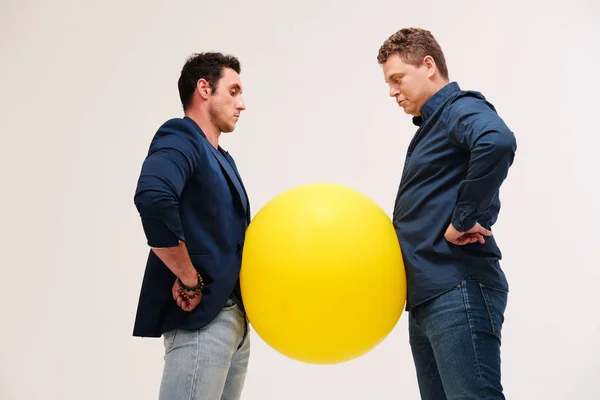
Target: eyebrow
(395, 75)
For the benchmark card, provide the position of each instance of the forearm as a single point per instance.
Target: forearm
(177, 259)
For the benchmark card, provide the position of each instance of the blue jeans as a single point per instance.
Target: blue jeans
(209, 363)
(455, 341)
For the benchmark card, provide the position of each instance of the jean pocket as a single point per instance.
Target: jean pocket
(495, 302)
(169, 339)
(229, 305)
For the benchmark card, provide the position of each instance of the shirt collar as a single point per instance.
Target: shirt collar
(435, 101)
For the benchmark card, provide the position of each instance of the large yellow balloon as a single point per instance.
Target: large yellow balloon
(322, 277)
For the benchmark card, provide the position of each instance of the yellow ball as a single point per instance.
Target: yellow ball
(322, 276)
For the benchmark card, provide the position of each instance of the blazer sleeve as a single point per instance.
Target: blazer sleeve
(171, 161)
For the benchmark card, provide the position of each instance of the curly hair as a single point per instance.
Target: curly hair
(209, 66)
(413, 45)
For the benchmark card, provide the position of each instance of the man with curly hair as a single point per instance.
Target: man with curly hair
(447, 202)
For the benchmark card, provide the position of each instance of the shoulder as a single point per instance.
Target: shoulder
(178, 126)
(177, 133)
(470, 108)
(469, 113)
(468, 102)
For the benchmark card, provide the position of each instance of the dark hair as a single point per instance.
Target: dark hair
(413, 45)
(209, 66)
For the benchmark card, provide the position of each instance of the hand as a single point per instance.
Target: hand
(475, 234)
(185, 305)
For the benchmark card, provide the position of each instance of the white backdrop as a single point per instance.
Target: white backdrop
(84, 85)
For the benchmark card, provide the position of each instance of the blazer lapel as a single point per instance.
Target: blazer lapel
(227, 166)
(231, 174)
(230, 159)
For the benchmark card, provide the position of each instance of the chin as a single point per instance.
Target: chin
(412, 112)
(227, 128)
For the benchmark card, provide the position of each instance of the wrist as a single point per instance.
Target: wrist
(190, 279)
(190, 291)
(191, 283)
(455, 230)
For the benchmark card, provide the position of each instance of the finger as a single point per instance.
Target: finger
(461, 240)
(472, 238)
(484, 231)
(466, 239)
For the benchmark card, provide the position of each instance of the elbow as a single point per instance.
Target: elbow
(505, 145)
(145, 203)
(152, 203)
(510, 142)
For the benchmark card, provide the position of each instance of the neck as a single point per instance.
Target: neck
(202, 118)
(436, 86)
(439, 84)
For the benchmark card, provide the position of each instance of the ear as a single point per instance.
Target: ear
(203, 88)
(429, 63)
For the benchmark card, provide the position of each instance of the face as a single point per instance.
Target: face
(409, 84)
(225, 104)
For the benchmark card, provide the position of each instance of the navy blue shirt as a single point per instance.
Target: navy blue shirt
(454, 167)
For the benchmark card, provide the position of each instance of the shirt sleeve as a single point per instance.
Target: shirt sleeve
(171, 161)
(475, 126)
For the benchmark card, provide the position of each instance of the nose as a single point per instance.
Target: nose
(241, 105)
(394, 91)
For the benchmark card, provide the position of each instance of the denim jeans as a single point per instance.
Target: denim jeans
(455, 341)
(209, 363)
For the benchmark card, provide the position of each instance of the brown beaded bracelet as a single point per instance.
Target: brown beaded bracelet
(189, 293)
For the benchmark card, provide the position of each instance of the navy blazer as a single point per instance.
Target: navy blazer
(189, 191)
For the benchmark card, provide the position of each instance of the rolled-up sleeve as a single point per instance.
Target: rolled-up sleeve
(171, 161)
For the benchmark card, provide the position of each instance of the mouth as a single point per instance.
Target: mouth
(402, 103)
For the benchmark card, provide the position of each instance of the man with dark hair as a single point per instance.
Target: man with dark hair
(194, 211)
(447, 202)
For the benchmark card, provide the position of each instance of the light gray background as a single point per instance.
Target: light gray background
(84, 85)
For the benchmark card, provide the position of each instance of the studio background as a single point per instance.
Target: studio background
(84, 86)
